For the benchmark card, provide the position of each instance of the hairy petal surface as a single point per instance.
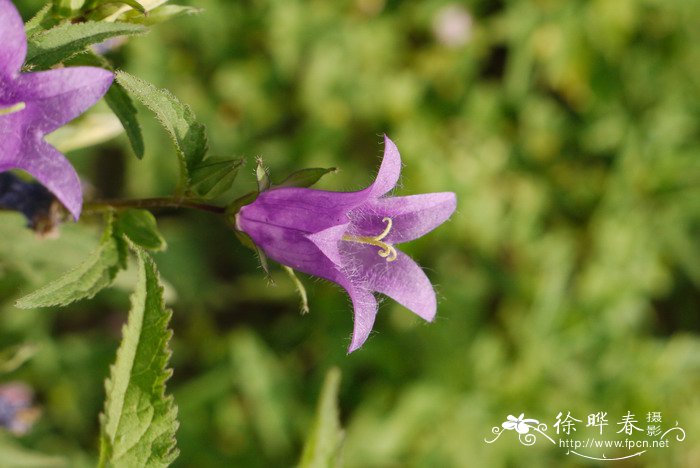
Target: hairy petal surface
(402, 280)
(365, 308)
(412, 216)
(290, 247)
(389, 171)
(14, 43)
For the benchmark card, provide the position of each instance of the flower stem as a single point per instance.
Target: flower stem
(100, 206)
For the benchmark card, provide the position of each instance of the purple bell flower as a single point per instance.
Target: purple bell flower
(349, 237)
(34, 104)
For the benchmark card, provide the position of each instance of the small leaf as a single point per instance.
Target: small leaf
(323, 447)
(213, 177)
(122, 106)
(41, 21)
(300, 289)
(160, 14)
(141, 228)
(305, 177)
(48, 48)
(133, 4)
(139, 421)
(262, 175)
(177, 118)
(87, 279)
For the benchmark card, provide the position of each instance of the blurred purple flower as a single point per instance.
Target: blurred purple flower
(349, 237)
(16, 411)
(453, 25)
(33, 200)
(34, 104)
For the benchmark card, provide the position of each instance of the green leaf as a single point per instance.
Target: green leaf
(305, 177)
(133, 4)
(213, 177)
(123, 107)
(87, 279)
(160, 14)
(139, 421)
(41, 21)
(323, 447)
(141, 228)
(177, 118)
(48, 48)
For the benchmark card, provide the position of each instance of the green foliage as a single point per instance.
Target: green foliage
(123, 107)
(85, 280)
(324, 444)
(214, 177)
(47, 48)
(188, 135)
(160, 14)
(141, 228)
(139, 420)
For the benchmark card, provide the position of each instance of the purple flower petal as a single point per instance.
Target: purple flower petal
(302, 209)
(328, 242)
(13, 47)
(55, 97)
(412, 217)
(54, 171)
(402, 280)
(365, 311)
(389, 171)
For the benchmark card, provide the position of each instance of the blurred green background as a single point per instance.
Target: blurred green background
(568, 279)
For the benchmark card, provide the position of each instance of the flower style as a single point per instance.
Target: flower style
(521, 425)
(348, 238)
(34, 104)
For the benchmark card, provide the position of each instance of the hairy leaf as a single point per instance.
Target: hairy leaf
(177, 118)
(324, 444)
(48, 48)
(139, 421)
(41, 21)
(141, 228)
(87, 279)
(213, 177)
(122, 106)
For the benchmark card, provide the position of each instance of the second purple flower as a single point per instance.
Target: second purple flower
(349, 238)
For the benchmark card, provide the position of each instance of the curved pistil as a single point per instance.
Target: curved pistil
(12, 109)
(387, 251)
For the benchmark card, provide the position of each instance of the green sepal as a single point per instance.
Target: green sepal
(304, 298)
(235, 206)
(262, 175)
(305, 177)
